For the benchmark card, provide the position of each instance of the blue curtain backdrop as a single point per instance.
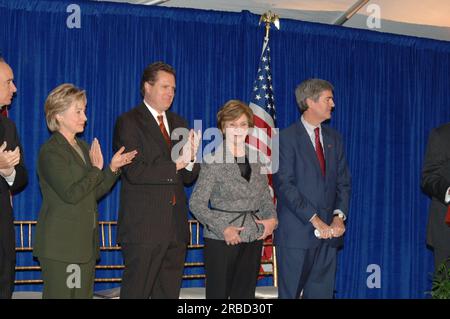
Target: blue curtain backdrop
(389, 90)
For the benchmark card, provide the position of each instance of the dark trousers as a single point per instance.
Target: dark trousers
(231, 271)
(64, 280)
(441, 256)
(7, 257)
(311, 270)
(152, 270)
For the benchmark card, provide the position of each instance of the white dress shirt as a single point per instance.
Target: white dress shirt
(310, 130)
(155, 114)
(10, 179)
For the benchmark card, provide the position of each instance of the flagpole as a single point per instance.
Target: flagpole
(261, 108)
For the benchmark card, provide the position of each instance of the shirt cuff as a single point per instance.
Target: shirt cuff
(447, 196)
(190, 166)
(10, 179)
(336, 212)
(312, 217)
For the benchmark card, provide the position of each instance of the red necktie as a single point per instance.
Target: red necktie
(4, 111)
(319, 151)
(162, 127)
(447, 218)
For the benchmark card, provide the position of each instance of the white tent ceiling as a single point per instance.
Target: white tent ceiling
(429, 19)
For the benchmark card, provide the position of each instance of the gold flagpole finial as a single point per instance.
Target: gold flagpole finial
(268, 18)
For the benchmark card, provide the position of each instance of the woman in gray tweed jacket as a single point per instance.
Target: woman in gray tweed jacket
(233, 202)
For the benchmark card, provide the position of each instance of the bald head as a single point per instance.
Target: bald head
(7, 87)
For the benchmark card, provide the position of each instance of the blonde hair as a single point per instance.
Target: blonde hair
(59, 100)
(233, 110)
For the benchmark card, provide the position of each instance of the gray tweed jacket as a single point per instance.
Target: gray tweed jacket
(220, 187)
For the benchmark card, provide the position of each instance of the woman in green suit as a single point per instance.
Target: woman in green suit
(72, 179)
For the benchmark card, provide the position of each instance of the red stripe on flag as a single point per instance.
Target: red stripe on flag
(260, 123)
(260, 145)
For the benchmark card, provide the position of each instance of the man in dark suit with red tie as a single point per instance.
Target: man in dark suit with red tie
(13, 178)
(313, 191)
(152, 227)
(436, 183)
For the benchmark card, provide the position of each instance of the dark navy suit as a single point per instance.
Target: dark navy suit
(305, 262)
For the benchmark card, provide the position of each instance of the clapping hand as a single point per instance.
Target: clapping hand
(121, 159)
(95, 154)
(189, 150)
(8, 160)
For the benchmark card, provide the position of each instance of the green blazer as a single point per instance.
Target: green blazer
(67, 227)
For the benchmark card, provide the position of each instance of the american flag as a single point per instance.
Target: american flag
(263, 107)
(263, 104)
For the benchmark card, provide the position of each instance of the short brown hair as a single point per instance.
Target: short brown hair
(151, 72)
(231, 111)
(59, 100)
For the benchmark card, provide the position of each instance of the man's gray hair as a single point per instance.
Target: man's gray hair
(311, 89)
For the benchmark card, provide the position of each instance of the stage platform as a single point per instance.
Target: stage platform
(186, 293)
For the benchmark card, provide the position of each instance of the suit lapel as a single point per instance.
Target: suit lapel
(174, 137)
(85, 153)
(64, 143)
(2, 131)
(150, 125)
(230, 168)
(327, 149)
(170, 120)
